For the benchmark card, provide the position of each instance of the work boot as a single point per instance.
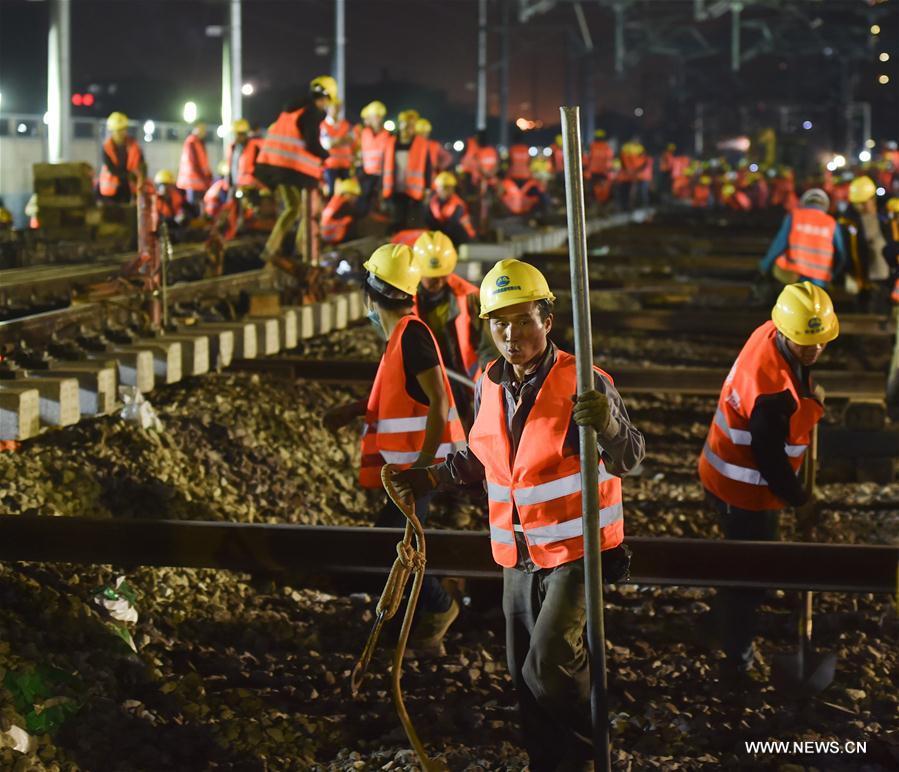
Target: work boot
(427, 638)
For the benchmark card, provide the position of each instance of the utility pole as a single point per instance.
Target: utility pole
(481, 122)
(340, 49)
(59, 82)
(504, 55)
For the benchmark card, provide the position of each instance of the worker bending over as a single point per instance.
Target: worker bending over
(524, 444)
(447, 211)
(123, 168)
(766, 413)
(169, 200)
(410, 415)
(342, 212)
(808, 246)
(451, 308)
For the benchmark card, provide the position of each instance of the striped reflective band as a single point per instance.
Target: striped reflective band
(732, 471)
(286, 140)
(400, 425)
(548, 534)
(538, 494)
(742, 437)
(306, 159)
(811, 250)
(409, 457)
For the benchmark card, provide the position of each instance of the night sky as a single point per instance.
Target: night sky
(157, 53)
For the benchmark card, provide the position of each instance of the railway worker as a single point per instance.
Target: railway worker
(337, 138)
(519, 168)
(124, 168)
(891, 252)
(864, 232)
(767, 410)
(809, 246)
(447, 211)
(194, 172)
(371, 139)
(440, 156)
(451, 308)
(407, 177)
(410, 415)
(341, 212)
(291, 160)
(241, 156)
(524, 446)
(169, 200)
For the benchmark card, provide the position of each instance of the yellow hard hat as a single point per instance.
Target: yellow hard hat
(705, 180)
(348, 187)
(540, 165)
(893, 205)
(393, 267)
(5, 216)
(241, 126)
(445, 180)
(435, 253)
(422, 126)
(116, 121)
(376, 108)
(559, 140)
(728, 190)
(164, 177)
(862, 189)
(599, 134)
(324, 85)
(804, 314)
(407, 116)
(509, 282)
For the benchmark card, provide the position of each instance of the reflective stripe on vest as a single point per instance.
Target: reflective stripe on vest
(193, 168)
(543, 481)
(334, 228)
(284, 147)
(743, 437)
(810, 245)
(395, 422)
(443, 212)
(519, 162)
(416, 166)
(372, 146)
(246, 162)
(340, 157)
(516, 199)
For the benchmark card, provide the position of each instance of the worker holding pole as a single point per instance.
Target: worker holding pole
(528, 443)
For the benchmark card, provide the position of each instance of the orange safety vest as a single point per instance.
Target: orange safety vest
(810, 245)
(416, 165)
(334, 229)
(739, 201)
(601, 157)
(373, 146)
(461, 289)
(215, 196)
(394, 422)
(171, 203)
(193, 168)
(487, 161)
(543, 480)
(519, 162)
(340, 157)
(109, 181)
(727, 466)
(701, 195)
(246, 163)
(443, 211)
(284, 147)
(469, 161)
(516, 199)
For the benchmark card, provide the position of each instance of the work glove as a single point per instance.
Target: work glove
(592, 409)
(414, 483)
(337, 417)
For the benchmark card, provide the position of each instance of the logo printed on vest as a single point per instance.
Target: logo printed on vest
(502, 281)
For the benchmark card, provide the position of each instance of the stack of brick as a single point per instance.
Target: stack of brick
(65, 200)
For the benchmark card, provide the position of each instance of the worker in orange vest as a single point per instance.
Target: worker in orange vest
(194, 173)
(440, 156)
(783, 189)
(169, 200)
(337, 138)
(291, 161)
(410, 414)
(524, 445)
(519, 166)
(341, 212)
(447, 212)
(599, 166)
(407, 173)
(450, 306)
(631, 185)
(767, 411)
(371, 139)
(809, 246)
(123, 168)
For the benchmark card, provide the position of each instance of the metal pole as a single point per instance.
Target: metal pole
(698, 130)
(59, 85)
(583, 349)
(735, 36)
(482, 65)
(340, 48)
(504, 76)
(619, 38)
(236, 62)
(227, 113)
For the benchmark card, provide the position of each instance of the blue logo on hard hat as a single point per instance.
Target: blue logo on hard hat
(814, 324)
(435, 262)
(502, 281)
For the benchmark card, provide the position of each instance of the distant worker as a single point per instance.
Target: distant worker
(291, 162)
(407, 173)
(194, 172)
(447, 212)
(783, 189)
(808, 246)
(767, 411)
(337, 138)
(600, 166)
(241, 156)
(372, 139)
(450, 306)
(519, 169)
(635, 175)
(891, 252)
(440, 157)
(341, 212)
(169, 200)
(524, 445)
(869, 272)
(124, 168)
(410, 414)
(217, 195)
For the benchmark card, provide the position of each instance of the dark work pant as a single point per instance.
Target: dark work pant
(737, 608)
(546, 614)
(433, 597)
(331, 177)
(371, 189)
(406, 212)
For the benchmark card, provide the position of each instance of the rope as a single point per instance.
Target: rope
(409, 560)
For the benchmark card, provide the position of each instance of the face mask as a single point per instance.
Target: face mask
(375, 321)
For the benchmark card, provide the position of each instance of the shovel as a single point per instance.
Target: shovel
(806, 672)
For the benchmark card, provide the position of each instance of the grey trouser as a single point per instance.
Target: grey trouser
(546, 652)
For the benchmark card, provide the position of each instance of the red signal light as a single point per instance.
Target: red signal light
(87, 100)
(77, 100)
